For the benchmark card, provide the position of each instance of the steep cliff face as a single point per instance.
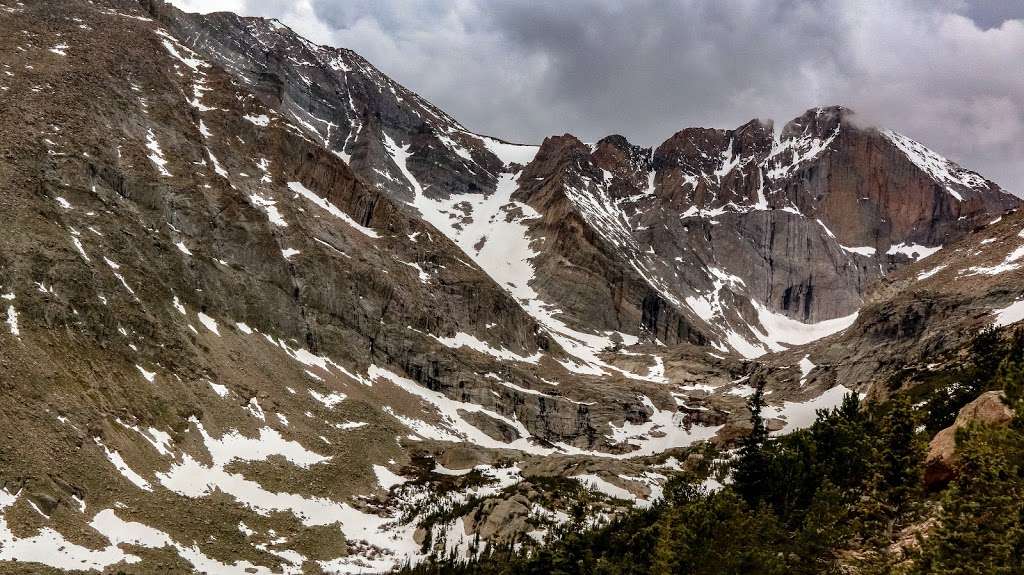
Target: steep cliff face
(710, 168)
(733, 230)
(920, 318)
(589, 261)
(714, 236)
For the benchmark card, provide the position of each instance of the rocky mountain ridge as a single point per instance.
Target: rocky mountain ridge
(814, 206)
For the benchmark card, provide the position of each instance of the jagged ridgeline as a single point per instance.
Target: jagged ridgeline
(265, 310)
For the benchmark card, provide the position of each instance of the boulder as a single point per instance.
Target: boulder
(940, 463)
(500, 520)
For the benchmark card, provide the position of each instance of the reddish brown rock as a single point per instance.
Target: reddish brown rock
(940, 465)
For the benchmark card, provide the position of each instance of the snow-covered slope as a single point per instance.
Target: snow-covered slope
(671, 220)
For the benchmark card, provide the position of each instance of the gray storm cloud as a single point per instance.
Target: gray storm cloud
(947, 73)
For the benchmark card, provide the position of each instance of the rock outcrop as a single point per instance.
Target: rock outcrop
(941, 461)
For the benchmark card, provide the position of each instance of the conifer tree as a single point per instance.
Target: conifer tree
(980, 529)
(902, 454)
(751, 470)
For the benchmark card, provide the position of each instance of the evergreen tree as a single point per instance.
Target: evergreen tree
(902, 454)
(1010, 378)
(709, 535)
(986, 354)
(980, 530)
(826, 527)
(844, 440)
(751, 468)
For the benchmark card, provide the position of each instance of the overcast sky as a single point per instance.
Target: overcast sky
(949, 73)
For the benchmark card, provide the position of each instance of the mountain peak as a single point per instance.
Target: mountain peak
(564, 145)
(615, 140)
(817, 122)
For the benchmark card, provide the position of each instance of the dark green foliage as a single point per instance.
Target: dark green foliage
(797, 504)
(981, 529)
(744, 540)
(1010, 377)
(846, 438)
(751, 470)
(901, 453)
(977, 375)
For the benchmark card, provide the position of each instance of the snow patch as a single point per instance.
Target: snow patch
(219, 389)
(156, 154)
(148, 375)
(387, 478)
(115, 458)
(390, 541)
(270, 208)
(462, 339)
(1010, 314)
(778, 332)
(49, 547)
(510, 153)
(929, 273)
(866, 251)
(262, 120)
(913, 251)
(800, 415)
(664, 430)
(330, 208)
(806, 367)
(120, 532)
(175, 49)
(1008, 264)
(329, 400)
(937, 167)
(208, 322)
(12, 321)
(597, 483)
